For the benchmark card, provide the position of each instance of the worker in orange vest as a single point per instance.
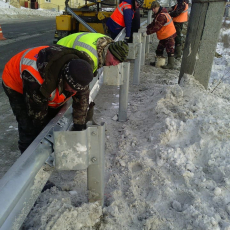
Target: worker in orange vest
(122, 17)
(179, 14)
(38, 81)
(163, 26)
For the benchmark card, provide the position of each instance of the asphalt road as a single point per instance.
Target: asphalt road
(20, 34)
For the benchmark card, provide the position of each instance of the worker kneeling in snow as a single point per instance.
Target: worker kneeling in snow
(163, 26)
(38, 81)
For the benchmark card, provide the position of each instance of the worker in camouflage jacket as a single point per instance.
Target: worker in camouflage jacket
(179, 14)
(38, 81)
(163, 26)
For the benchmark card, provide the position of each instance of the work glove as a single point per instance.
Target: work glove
(126, 39)
(144, 34)
(77, 127)
(90, 112)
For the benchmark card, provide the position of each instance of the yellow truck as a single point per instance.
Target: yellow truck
(89, 17)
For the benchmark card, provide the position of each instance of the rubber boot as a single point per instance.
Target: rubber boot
(170, 64)
(178, 51)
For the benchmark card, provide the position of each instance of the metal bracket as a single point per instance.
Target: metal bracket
(113, 75)
(78, 150)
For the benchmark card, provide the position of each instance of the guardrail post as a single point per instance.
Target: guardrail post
(135, 50)
(143, 50)
(124, 90)
(95, 171)
(78, 150)
(137, 66)
(119, 75)
(148, 37)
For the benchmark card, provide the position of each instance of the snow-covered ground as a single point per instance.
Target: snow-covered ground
(8, 11)
(167, 167)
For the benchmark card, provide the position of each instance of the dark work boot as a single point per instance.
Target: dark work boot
(170, 64)
(178, 52)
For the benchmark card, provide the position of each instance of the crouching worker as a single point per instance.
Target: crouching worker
(101, 48)
(163, 26)
(38, 81)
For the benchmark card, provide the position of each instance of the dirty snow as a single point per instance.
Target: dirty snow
(7, 11)
(167, 166)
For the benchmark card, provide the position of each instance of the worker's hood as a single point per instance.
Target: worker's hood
(50, 62)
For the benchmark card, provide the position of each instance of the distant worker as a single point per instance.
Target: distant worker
(99, 47)
(179, 14)
(38, 81)
(163, 26)
(122, 17)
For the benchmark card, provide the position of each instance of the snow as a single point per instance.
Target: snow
(166, 167)
(9, 11)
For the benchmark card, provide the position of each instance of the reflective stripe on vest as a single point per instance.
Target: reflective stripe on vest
(88, 44)
(28, 63)
(183, 17)
(121, 7)
(168, 29)
(117, 16)
(84, 45)
(11, 73)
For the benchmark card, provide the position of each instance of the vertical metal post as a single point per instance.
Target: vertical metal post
(148, 37)
(95, 171)
(137, 66)
(143, 51)
(124, 90)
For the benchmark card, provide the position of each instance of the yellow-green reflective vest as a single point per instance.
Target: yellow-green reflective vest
(84, 42)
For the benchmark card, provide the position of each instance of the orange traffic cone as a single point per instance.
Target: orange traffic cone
(1, 34)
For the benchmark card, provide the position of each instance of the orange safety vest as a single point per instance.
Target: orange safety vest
(168, 28)
(183, 17)
(118, 16)
(26, 61)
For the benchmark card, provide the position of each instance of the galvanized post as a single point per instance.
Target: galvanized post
(95, 171)
(124, 90)
(83, 150)
(137, 65)
(143, 51)
(148, 37)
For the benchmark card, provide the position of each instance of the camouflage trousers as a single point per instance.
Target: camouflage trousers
(168, 44)
(179, 27)
(27, 131)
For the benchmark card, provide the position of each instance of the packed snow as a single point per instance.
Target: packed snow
(167, 166)
(8, 11)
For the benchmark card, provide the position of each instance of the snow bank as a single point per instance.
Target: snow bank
(8, 11)
(167, 167)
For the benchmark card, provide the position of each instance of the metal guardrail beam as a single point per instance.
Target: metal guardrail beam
(17, 193)
(68, 9)
(20, 177)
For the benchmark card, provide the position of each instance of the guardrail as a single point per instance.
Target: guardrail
(23, 182)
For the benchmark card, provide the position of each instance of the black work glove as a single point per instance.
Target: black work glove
(77, 127)
(127, 39)
(90, 112)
